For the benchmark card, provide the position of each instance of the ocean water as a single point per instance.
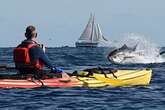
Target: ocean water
(150, 97)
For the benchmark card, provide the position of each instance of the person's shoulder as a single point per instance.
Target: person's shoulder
(35, 49)
(35, 46)
(22, 44)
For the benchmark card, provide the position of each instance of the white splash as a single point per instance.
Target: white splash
(146, 51)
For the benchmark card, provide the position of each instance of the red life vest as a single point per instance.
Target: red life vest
(22, 58)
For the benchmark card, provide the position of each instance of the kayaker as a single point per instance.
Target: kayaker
(30, 58)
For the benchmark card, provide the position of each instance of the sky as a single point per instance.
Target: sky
(61, 22)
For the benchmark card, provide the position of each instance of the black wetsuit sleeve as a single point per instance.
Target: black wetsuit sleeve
(36, 53)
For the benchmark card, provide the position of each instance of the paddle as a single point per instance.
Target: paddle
(5, 67)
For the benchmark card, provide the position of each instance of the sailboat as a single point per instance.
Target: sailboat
(92, 35)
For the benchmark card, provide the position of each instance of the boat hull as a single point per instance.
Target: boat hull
(124, 78)
(86, 44)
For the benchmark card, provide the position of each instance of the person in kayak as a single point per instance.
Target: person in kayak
(30, 58)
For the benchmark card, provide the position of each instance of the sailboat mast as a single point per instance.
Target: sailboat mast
(93, 25)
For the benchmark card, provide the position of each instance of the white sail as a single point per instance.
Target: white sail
(100, 35)
(94, 32)
(95, 37)
(86, 35)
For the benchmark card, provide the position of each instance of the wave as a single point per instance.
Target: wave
(146, 51)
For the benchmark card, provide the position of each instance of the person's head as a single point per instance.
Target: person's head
(30, 32)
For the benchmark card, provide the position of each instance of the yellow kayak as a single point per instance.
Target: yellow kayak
(95, 77)
(118, 78)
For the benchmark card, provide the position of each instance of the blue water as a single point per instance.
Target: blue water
(151, 97)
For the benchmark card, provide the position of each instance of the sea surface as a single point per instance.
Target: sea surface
(150, 97)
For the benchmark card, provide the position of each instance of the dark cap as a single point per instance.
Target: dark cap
(29, 31)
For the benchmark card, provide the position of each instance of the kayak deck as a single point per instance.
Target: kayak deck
(127, 78)
(118, 78)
